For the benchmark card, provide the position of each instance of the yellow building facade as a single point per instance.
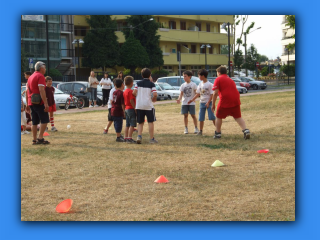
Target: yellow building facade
(184, 33)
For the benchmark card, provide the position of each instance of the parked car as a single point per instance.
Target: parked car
(78, 89)
(242, 84)
(254, 84)
(55, 84)
(160, 94)
(241, 89)
(59, 97)
(176, 81)
(169, 90)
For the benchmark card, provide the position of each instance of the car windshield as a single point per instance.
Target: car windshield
(250, 79)
(236, 78)
(195, 80)
(99, 88)
(158, 88)
(57, 91)
(166, 86)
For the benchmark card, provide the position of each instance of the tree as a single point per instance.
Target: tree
(133, 54)
(252, 57)
(241, 20)
(24, 62)
(54, 73)
(101, 48)
(238, 59)
(264, 71)
(145, 31)
(262, 58)
(288, 70)
(292, 24)
(224, 49)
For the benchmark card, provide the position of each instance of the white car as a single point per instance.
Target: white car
(59, 97)
(169, 90)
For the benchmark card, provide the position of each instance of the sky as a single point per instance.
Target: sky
(267, 40)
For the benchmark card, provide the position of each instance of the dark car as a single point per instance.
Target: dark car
(78, 89)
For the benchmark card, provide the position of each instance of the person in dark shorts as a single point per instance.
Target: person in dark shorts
(144, 106)
(229, 104)
(39, 112)
(117, 110)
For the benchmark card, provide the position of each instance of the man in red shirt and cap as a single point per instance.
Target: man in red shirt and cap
(229, 104)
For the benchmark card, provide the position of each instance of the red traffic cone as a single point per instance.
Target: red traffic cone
(64, 206)
(263, 151)
(45, 134)
(161, 179)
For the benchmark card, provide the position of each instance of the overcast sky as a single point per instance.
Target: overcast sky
(267, 40)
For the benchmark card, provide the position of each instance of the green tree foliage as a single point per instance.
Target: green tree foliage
(146, 32)
(224, 49)
(238, 59)
(288, 70)
(24, 63)
(263, 58)
(292, 24)
(133, 54)
(252, 58)
(54, 73)
(101, 48)
(264, 71)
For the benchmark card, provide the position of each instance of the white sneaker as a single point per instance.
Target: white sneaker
(96, 105)
(53, 129)
(22, 133)
(90, 106)
(26, 132)
(196, 130)
(185, 130)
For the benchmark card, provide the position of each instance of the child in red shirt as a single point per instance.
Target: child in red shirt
(130, 105)
(50, 98)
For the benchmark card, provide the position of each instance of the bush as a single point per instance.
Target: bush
(54, 73)
(271, 75)
(288, 70)
(264, 71)
(160, 72)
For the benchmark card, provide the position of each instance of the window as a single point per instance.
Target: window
(202, 50)
(173, 81)
(211, 50)
(66, 87)
(193, 48)
(183, 25)
(178, 47)
(198, 24)
(208, 27)
(80, 31)
(172, 25)
(78, 87)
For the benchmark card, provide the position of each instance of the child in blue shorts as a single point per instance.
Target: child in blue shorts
(205, 92)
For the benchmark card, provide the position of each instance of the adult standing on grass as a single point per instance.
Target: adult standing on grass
(144, 106)
(39, 112)
(229, 104)
(120, 75)
(106, 87)
(93, 82)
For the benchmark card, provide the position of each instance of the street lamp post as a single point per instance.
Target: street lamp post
(78, 41)
(205, 49)
(245, 47)
(287, 49)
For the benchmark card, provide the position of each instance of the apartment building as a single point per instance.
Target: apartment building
(60, 37)
(184, 33)
(287, 34)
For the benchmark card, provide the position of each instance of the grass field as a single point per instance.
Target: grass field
(110, 181)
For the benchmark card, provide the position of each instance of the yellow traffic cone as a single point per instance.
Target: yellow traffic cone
(217, 163)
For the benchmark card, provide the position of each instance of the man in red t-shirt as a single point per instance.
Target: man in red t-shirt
(229, 103)
(39, 112)
(130, 105)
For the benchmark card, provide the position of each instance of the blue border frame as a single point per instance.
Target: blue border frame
(307, 161)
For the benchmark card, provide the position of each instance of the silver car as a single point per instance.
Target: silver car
(169, 90)
(254, 84)
(160, 94)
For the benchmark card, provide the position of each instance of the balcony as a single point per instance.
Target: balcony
(195, 59)
(173, 35)
(67, 53)
(66, 27)
(210, 18)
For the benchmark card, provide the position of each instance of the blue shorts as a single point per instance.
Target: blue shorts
(131, 118)
(188, 108)
(93, 94)
(202, 112)
(118, 122)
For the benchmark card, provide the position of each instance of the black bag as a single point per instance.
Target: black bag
(36, 98)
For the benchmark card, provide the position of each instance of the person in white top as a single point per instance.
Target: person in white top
(106, 85)
(205, 92)
(93, 82)
(110, 118)
(187, 92)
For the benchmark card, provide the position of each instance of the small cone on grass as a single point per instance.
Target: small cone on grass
(217, 163)
(161, 179)
(64, 206)
(263, 151)
(45, 134)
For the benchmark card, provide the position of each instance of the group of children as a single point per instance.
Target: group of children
(133, 105)
(25, 116)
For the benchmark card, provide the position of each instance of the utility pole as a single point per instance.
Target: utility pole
(245, 52)
(229, 48)
(179, 60)
(48, 53)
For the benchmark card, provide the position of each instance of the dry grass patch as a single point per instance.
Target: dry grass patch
(114, 181)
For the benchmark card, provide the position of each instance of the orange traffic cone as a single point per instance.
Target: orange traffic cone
(161, 179)
(45, 134)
